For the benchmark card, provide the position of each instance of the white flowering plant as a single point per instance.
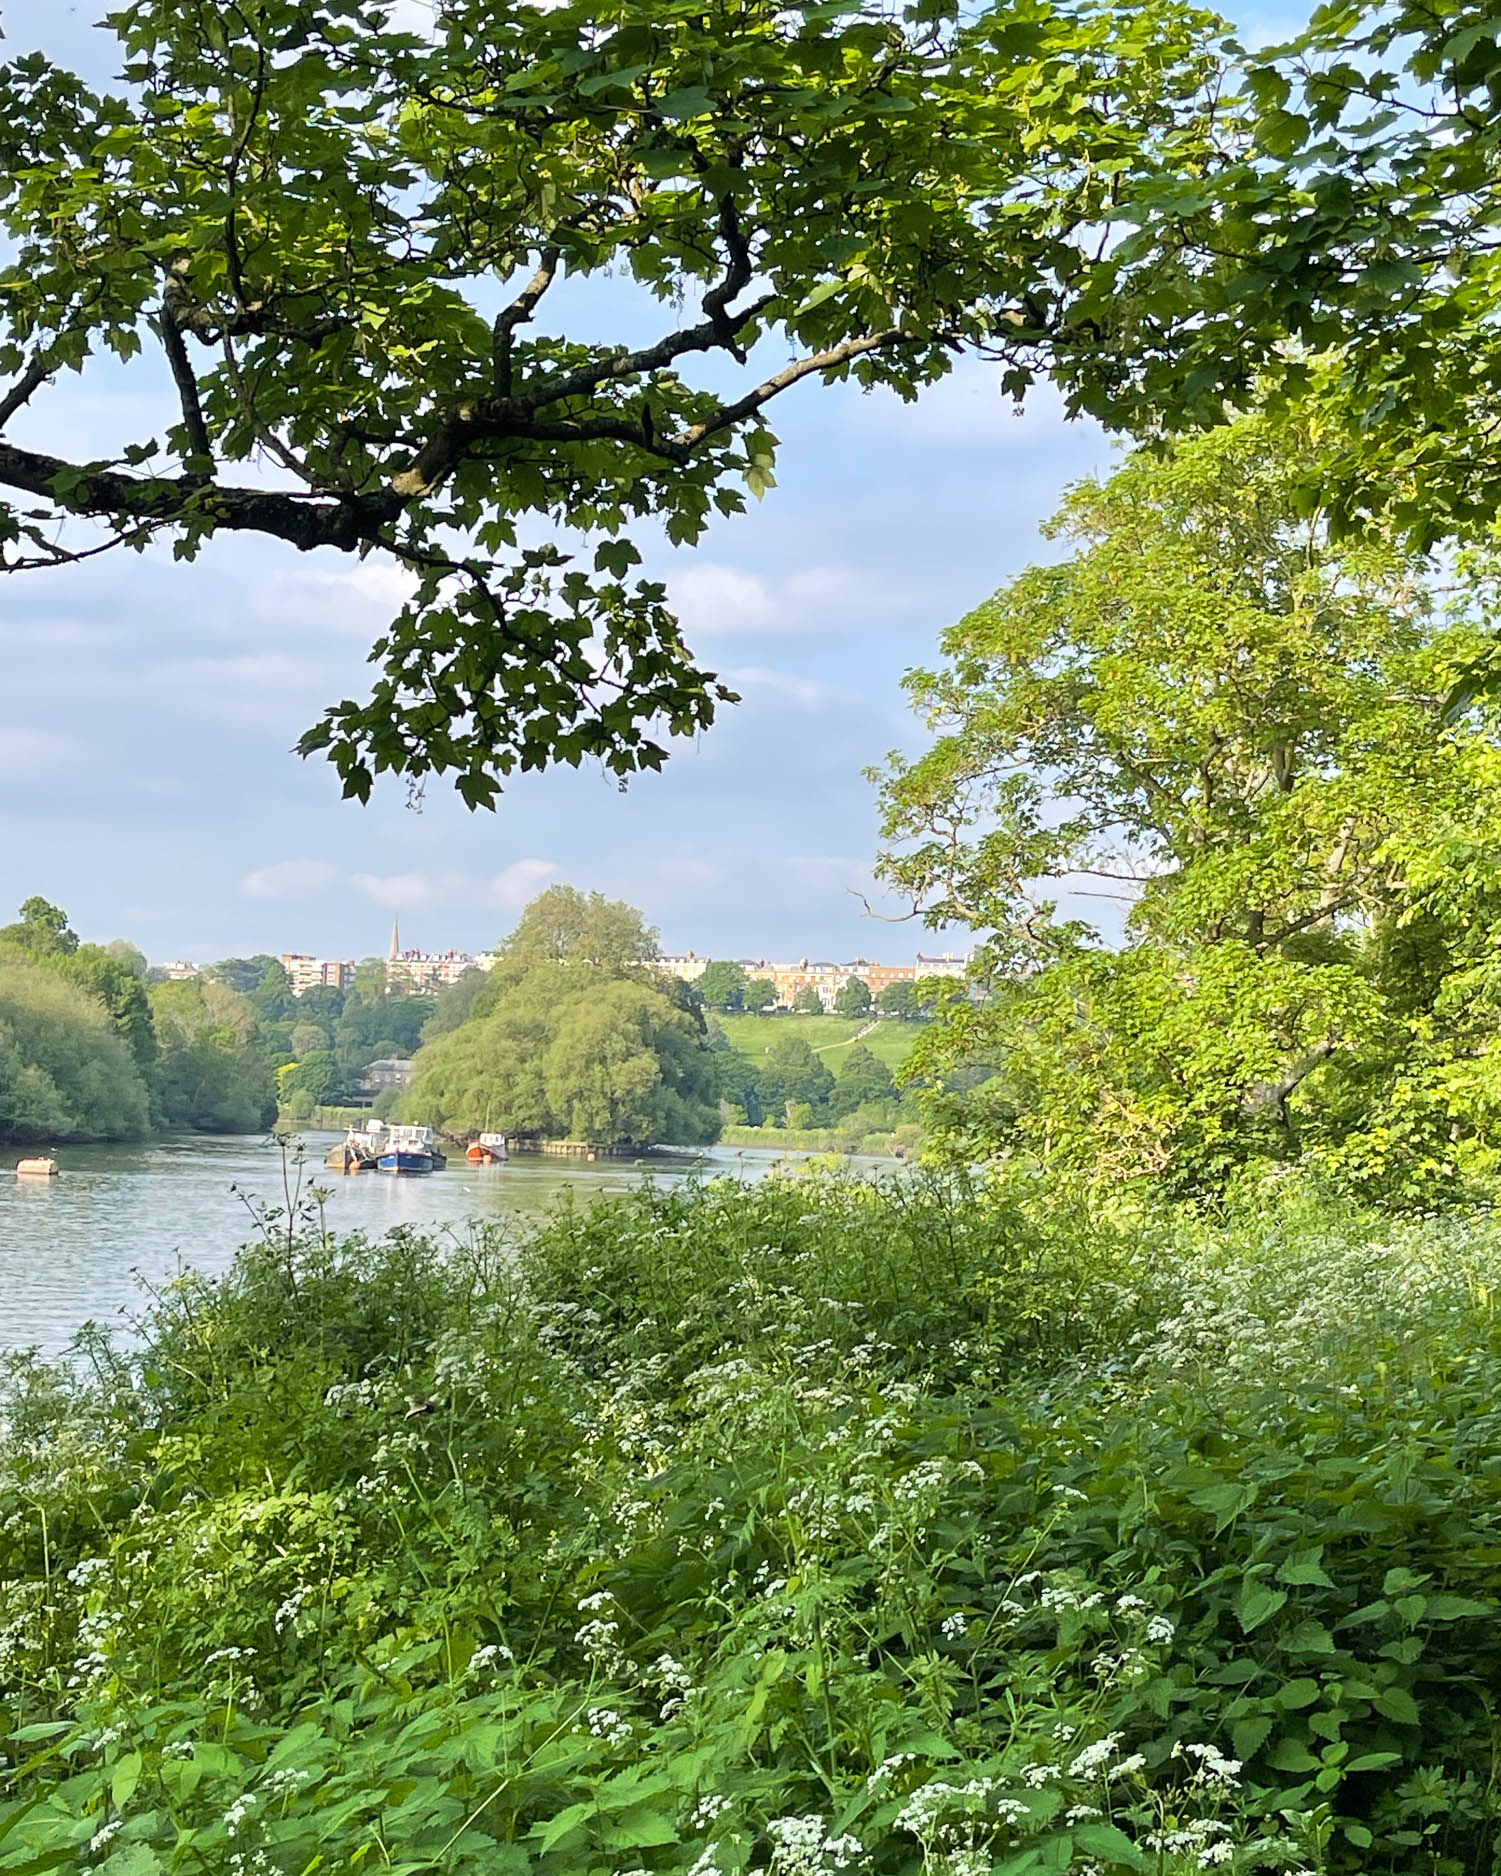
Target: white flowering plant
(787, 1548)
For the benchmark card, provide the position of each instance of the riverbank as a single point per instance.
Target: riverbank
(124, 1220)
(901, 1143)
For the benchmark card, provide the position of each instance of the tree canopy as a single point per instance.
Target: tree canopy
(347, 243)
(722, 985)
(572, 1035)
(64, 1072)
(1234, 724)
(209, 1074)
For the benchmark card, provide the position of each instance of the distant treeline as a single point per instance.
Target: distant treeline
(92, 1049)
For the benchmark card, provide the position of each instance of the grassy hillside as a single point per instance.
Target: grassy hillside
(831, 1036)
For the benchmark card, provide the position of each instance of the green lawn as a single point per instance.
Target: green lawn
(831, 1036)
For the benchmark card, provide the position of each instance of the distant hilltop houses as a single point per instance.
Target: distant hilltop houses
(405, 970)
(431, 970)
(825, 980)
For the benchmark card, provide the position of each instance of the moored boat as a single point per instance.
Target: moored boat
(488, 1150)
(359, 1150)
(411, 1150)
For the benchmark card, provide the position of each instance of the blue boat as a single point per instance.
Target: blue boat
(410, 1150)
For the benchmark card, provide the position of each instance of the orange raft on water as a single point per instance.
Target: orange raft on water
(36, 1169)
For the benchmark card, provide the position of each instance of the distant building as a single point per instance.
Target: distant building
(946, 964)
(688, 967)
(307, 973)
(176, 973)
(426, 970)
(389, 1072)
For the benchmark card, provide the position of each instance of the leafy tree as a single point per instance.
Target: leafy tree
(64, 1072)
(853, 997)
(248, 974)
(369, 1031)
(124, 952)
(900, 1000)
(566, 926)
(344, 241)
(862, 1078)
(1210, 707)
(122, 991)
(210, 1073)
(807, 1002)
(690, 1000)
(454, 1004)
(624, 1065)
(107, 973)
(1340, 249)
(372, 981)
(760, 993)
(322, 1004)
(737, 1084)
(793, 1073)
(573, 1034)
(306, 1037)
(42, 930)
(315, 1075)
(723, 985)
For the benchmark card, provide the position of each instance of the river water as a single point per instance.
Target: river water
(120, 1220)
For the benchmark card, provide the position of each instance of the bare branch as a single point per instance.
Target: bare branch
(347, 522)
(730, 414)
(182, 371)
(518, 313)
(35, 375)
(737, 278)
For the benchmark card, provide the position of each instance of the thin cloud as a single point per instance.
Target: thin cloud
(520, 883)
(396, 891)
(289, 879)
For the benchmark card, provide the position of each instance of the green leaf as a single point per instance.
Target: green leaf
(1258, 1603)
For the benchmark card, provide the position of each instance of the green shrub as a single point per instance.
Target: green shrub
(819, 1526)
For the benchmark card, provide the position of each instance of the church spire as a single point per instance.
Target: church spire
(395, 952)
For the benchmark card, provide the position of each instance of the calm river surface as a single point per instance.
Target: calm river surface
(82, 1246)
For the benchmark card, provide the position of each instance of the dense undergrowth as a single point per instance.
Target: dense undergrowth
(810, 1528)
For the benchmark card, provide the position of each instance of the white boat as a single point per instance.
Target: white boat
(410, 1149)
(359, 1150)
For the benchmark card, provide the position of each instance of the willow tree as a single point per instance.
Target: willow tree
(347, 248)
(1232, 725)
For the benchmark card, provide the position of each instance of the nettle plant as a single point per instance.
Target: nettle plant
(378, 1558)
(353, 252)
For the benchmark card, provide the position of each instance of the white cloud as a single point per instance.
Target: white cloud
(801, 690)
(289, 879)
(520, 882)
(26, 752)
(267, 690)
(358, 600)
(968, 406)
(398, 891)
(713, 599)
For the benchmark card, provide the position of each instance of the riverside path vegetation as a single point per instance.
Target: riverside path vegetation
(919, 1530)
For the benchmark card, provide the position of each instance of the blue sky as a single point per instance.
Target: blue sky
(148, 709)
